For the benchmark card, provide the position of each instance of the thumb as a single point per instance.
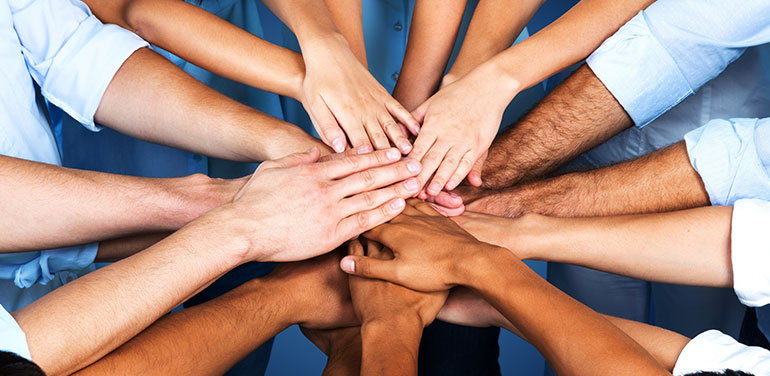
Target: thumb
(419, 113)
(368, 267)
(474, 177)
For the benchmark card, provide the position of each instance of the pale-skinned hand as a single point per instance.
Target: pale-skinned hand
(293, 209)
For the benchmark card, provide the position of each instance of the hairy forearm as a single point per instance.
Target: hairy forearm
(208, 41)
(433, 32)
(578, 115)
(51, 206)
(660, 181)
(690, 247)
(212, 336)
(345, 359)
(386, 354)
(554, 323)
(84, 320)
(494, 27)
(151, 99)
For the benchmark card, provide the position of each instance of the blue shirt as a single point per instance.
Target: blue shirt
(60, 46)
(668, 51)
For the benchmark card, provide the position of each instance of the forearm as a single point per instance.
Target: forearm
(86, 319)
(494, 27)
(578, 115)
(114, 250)
(664, 345)
(212, 336)
(348, 17)
(310, 20)
(151, 99)
(690, 247)
(556, 324)
(54, 207)
(386, 354)
(208, 42)
(432, 35)
(660, 181)
(345, 360)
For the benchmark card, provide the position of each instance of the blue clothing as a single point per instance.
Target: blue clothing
(671, 49)
(12, 338)
(68, 66)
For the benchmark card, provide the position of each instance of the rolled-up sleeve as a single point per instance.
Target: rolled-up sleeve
(716, 351)
(732, 158)
(28, 268)
(751, 252)
(70, 53)
(12, 338)
(672, 48)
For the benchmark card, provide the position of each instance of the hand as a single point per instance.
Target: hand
(319, 289)
(340, 93)
(432, 253)
(491, 229)
(292, 209)
(458, 126)
(342, 346)
(466, 307)
(380, 301)
(447, 203)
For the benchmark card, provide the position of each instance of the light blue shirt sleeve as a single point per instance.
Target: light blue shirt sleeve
(732, 158)
(70, 53)
(672, 48)
(28, 268)
(12, 338)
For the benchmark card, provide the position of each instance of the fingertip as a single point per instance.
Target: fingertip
(398, 204)
(348, 265)
(474, 178)
(339, 144)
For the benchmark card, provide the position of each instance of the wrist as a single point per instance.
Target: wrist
(501, 80)
(378, 334)
(235, 233)
(189, 197)
(481, 264)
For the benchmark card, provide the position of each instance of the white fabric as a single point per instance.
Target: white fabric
(715, 351)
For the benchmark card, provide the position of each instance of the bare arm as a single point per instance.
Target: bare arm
(209, 42)
(494, 27)
(348, 17)
(689, 247)
(151, 99)
(432, 35)
(660, 181)
(39, 201)
(114, 250)
(215, 335)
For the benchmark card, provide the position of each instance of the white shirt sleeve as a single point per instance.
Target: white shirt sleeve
(668, 51)
(70, 53)
(751, 252)
(12, 338)
(716, 351)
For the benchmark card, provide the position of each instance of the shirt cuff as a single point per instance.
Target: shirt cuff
(727, 156)
(85, 66)
(639, 72)
(43, 268)
(716, 351)
(13, 338)
(751, 252)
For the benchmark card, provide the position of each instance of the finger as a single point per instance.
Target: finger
(327, 126)
(355, 130)
(426, 209)
(355, 247)
(372, 199)
(449, 212)
(463, 168)
(395, 133)
(378, 177)
(347, 153)
(377, 134)
(359, 222)
(419, 113)
(292, 160)
(446, 169)
(348, 165)
(369, 267)
(405, 117)
(375, 250)
(474, 177)
(422, 144)
(430, 163)
(447, 199)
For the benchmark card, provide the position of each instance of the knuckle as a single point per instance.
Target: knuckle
(368, 199)
(362, 219)
(351, 162)
(368, 179)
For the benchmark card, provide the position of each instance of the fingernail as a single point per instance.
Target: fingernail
(404, 146)
(398, 204)
(364, 149)
(434, 189)
(451, 183)
(393, 154)
(348, 265)
(454, 195)
(416, 129)
(475, 174)
(338, 145)
(413, 166)
(411, 185)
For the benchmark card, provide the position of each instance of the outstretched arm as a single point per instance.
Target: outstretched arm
(215, 335)
(690, 247)
(209, 42)
(43, 198)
